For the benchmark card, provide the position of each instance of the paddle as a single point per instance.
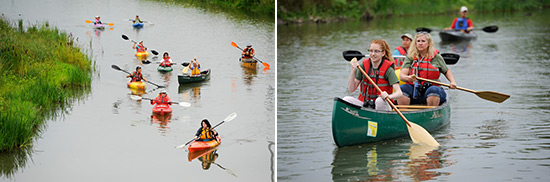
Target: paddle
(488, 29)
(110, 24)
(235, 45)
(126, 38)
(143, 21)
(450, 58)
(184, 71)
(184, 104)
(227, 119)
(487, 95)
(225, 169)
(416, 132)
(118, 68)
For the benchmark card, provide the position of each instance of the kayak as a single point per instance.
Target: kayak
(205, 75)
(352, 125)
(136, 91)
(99, 26)
(199, 153)
(202, 145)
(248, 63)
(164, 68)
(142, 55)
(137, 25)
(162, 109)
(136, 85)
(451, 35)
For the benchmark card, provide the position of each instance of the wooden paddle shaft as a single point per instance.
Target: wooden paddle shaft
(379, 90)
(444, 84)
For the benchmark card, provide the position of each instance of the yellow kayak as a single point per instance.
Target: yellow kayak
(136, 85)
(142, 55)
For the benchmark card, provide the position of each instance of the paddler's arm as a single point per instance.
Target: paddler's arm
(353, 82)
(451, 79)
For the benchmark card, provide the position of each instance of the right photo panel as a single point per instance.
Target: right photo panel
(403, 90)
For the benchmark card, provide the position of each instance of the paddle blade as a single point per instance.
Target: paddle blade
(230, 117)
(184, 71)
(88, 21)
(155, 52)
(146, 62)
(265, 65)
(125, 37)
(110, 24)
(115, 67)
(490, 29)
(492, 96)
(185, 64)
(423, 29)
(184, 104)
(420, 135)
(135, 97)
(234, 44)
(450, 58)
(350, 54)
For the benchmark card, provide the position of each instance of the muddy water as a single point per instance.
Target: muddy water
(108, 136)
(485, 141)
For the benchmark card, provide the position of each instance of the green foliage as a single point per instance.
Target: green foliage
(256, 7)
(40, 70)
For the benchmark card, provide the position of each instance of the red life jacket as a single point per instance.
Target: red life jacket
(247, 52)
(401, 50)
(162, 100)
(136, 77)
(140, 48)
(368, 90)
(424, 69)
(165, 62)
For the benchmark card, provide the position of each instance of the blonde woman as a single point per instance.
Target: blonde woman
(424, 62)
(379, 66)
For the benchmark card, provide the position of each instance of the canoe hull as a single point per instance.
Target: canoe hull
(451, 35)
(248, 63)
(137, 85)
(183, 79)
(203, 145)
(352, 125)
(164, 69)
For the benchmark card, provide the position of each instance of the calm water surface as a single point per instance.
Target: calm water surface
(485, 141)
(107, 136)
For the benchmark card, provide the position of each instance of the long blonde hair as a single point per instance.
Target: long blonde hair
(413, 51)
(382, 43)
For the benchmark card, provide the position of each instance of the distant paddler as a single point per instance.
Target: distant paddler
(380, 68)
(139, 46)
(248, 52)
(462, 23)
(136, 75)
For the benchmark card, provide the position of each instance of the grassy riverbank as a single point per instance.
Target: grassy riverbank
(256, 7)
(334, 10)
(40, 70)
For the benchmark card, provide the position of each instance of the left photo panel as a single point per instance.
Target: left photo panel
(137, 90)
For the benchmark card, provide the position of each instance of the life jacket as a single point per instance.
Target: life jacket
(461, 23)
(166, 62)
(97, 21)
(247, 52)
(368, 90)
(137, 20)
(162, 100)
(136, 77)
(195, 70)
(140, 48)
(424, 69)
(403, 52)
(206, 134)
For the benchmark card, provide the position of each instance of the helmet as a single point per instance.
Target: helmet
(96, 16)
(140, 41)
(249, 45)
(138, 67)
(162, 92)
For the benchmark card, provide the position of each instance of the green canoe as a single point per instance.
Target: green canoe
(164, 68)
(186, 78)
(352, 125)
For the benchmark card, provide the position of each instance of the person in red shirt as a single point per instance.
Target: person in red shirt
(248, 52)
(462, 23)
(162, 98)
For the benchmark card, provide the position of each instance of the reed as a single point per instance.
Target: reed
(41, 72)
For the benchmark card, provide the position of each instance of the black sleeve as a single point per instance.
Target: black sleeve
(198, 132)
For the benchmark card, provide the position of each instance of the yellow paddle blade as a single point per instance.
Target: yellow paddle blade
(492, 96)
(110, 24)
(88, 21)
(420, 135)
(184, 71)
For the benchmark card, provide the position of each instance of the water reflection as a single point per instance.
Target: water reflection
(162, 121)
(386, 162)
(249, 74)
(191, 91)
(461, 47)
(11, 162)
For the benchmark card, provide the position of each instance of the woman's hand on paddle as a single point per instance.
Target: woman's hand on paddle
(411, 78)
(384, 94)
(453, 85)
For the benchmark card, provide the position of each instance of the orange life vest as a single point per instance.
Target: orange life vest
(368, 90)
(248, 52)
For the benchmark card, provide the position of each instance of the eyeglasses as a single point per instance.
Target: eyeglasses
(422, 32)
(375, 51)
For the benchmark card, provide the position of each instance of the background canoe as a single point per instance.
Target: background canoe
(352, 125)
(205, 75)
(451, 35)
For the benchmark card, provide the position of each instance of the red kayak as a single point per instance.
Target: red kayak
(162, 109)
(202, 145)
(199, 153)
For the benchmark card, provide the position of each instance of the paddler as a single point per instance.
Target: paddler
(402, 49)
(195, 67)
(97, 20)
(379, 66)
(137, 19)
(424, 62)
(248, 52)
(139, 47)
(166, 61)
(462, 23)
(162, 98)
(137, 76)
(205, 132)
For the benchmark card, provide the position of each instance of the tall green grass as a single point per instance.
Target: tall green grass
(292, 10)
(40, 70)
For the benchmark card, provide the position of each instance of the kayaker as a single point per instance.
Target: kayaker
(423, 61)
(248, 52)
(195, 67)
(137, 19)
(162, 98)
(381, 71)
(139, 47)
(97, 20)
(166, 61)
(206, 160)
(462, 23)
(205, 133)
(136, 75)
(402, 49)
